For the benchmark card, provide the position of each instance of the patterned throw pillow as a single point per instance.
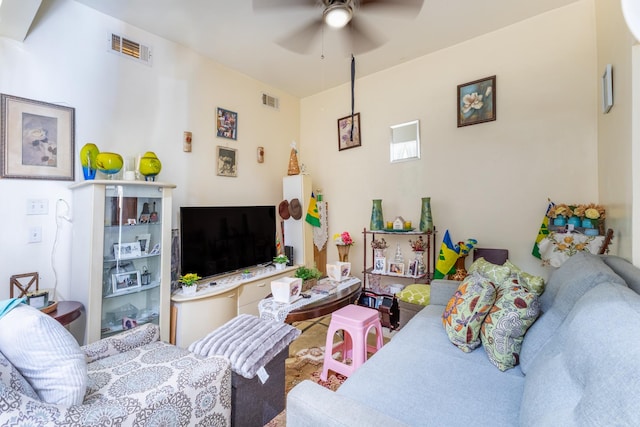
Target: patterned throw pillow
(503, 329)
(467, 309)
(495, 273)
(532, 283)
(416, 294)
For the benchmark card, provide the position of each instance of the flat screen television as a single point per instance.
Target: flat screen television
(221, 239)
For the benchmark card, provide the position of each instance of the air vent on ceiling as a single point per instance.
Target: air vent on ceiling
(123, 46)
(270, 101)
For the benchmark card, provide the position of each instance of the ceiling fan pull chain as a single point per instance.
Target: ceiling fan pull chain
(353, 76)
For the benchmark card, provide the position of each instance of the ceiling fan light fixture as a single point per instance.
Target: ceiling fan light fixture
(337, 15)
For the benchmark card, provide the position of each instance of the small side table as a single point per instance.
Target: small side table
(67, 312)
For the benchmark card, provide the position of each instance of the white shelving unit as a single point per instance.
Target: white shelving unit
(110, 218)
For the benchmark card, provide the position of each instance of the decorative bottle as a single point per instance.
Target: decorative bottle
(377, 223)
(426, 220)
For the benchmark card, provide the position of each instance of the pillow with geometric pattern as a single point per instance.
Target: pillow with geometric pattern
(503, 329)
(466, 310)
(533, 283)
(494, 272)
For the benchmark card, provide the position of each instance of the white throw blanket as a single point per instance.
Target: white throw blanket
(248, 342)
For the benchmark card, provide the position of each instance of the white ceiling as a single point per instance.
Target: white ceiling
(231, 33)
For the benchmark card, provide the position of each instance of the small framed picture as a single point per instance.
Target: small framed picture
(412, 270)
(226, 124)
(379, 264)
(227, 161)
(155, 250)
(38, 299)
(396, 268)
(126, 281)
(126, 250)
(128, 323)
(144, 240)
(349, 132)
(477, 101)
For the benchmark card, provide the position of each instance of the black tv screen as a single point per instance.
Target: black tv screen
(216, 240)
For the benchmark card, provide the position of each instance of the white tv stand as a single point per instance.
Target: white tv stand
(194, 316)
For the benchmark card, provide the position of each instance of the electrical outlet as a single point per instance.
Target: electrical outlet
(35, 234)
(37, 206)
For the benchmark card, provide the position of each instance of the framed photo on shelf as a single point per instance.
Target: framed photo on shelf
(412, 270)
(126, 281)
(379, 264)
(126, 250)
(37, 139)
(349, 136)
(396, 268)
(144, 240)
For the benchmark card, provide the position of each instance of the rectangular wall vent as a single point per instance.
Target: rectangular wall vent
(270, 101)
(123, 46)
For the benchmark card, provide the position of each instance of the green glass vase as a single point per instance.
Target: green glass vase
(426, 220)
(377, 222)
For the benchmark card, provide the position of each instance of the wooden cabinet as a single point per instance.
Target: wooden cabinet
(121, 254)
(193, 317)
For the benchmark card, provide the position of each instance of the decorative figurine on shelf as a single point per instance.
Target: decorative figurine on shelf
(145, 214)
(294, 168)
(153, 217)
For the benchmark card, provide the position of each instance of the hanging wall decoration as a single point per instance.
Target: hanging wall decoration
(227, 124)
(37, 139)
(477, 102)
(227, 161)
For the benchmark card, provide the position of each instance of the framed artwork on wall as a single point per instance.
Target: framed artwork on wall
(227, 161)
(37, 139)
(348, 136)
(227, 124)
(477, 102)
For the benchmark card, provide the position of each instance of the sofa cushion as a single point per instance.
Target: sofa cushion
(494, 272)
(440, 385)
(467, 309)
(13, 379)
(588, 373)
(532, 283)
(624, 269)
(503, 329)
(566, 285)
(415, 294)
(46, 355)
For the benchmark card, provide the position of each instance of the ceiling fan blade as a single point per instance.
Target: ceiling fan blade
(263, 5)
(362, 39)
(300, 40)
(405, 7)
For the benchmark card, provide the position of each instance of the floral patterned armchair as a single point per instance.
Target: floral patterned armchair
(133, 380)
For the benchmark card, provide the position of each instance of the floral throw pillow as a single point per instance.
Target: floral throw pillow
(532, 283)
(467, 308)
(494, 272)
(503, 329)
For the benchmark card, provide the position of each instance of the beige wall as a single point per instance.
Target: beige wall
(489, 181)
(129, 108)
(615, 155)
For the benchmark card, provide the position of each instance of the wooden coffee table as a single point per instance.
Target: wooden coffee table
(326, 305)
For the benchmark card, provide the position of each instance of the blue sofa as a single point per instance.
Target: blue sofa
(579, 364)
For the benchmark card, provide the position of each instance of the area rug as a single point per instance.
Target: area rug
(306, 364)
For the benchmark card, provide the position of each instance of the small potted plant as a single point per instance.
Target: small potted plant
(309, 277)
(189, 283)
(280, 261)
(246, 274)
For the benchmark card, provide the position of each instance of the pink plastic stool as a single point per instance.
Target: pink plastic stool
(356, 322)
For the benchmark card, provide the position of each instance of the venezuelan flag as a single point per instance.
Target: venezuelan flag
(447, 258)
(543, 232)
(313, 216)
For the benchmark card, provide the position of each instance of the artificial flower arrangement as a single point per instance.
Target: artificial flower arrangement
(189, 279)
(418, 245)
(343, 238)
(590, 211)
(380, 244)
(281, 259)
(559, 210)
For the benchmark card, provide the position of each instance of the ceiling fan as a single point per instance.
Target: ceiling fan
(347, 16)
